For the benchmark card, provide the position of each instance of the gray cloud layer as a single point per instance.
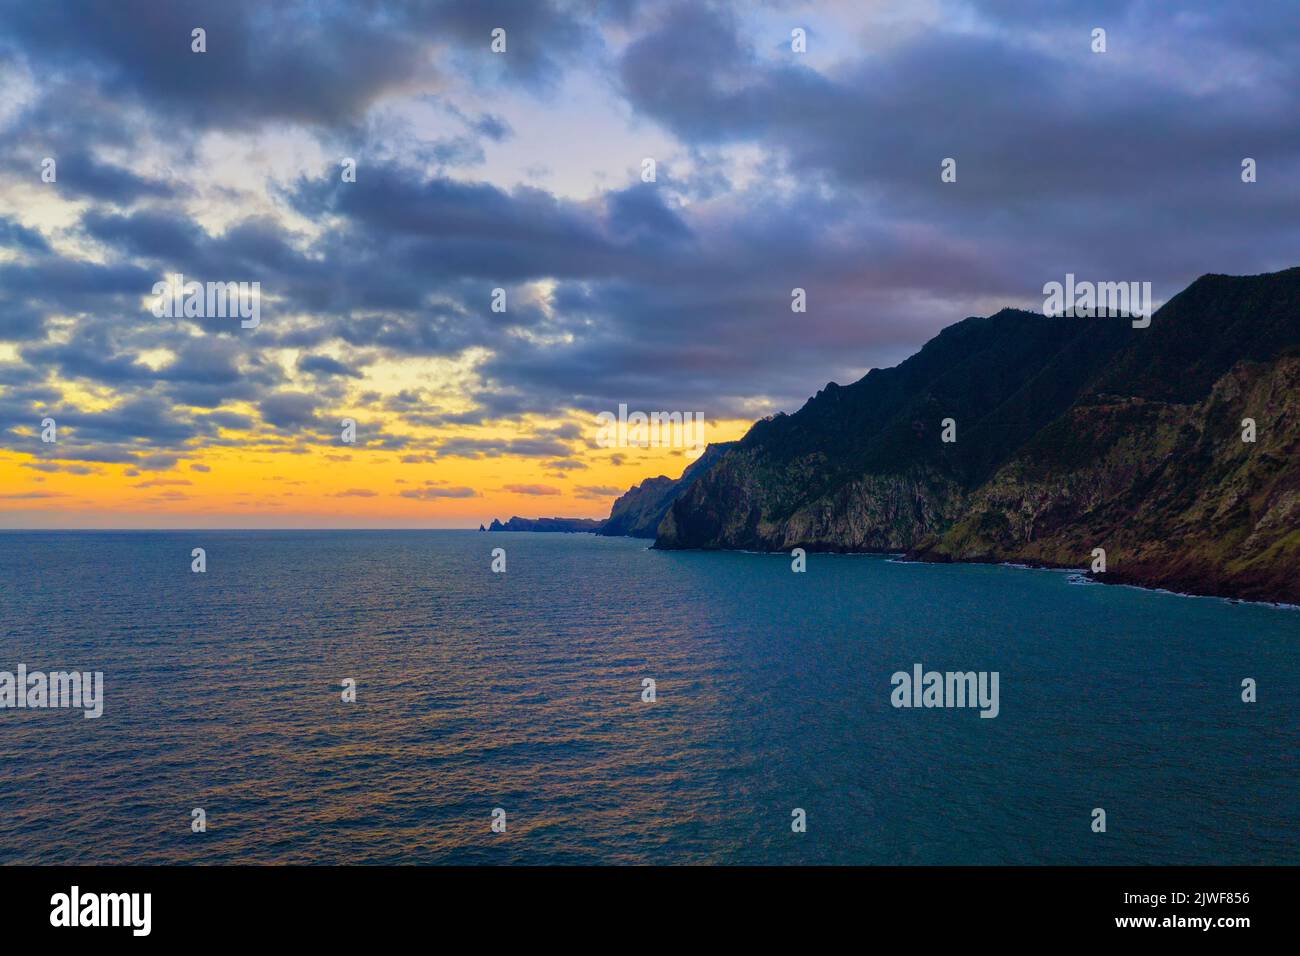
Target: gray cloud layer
(675, 295)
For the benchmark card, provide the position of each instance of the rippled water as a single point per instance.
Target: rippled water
(523, 691)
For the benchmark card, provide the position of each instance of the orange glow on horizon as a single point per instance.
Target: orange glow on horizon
(250, 485)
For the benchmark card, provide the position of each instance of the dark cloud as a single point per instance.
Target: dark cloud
(323, 365)
(1128, 159)
(640, 212)
(19, 322)
(74, 283)
(16, 236)
(150, 234)
(666, 296)
(315, 63)
(289, 410)
(322, 63)
(79, 173)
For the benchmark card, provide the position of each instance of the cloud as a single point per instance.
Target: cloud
(432, 493)
(324, 366)
(54, 466)
(16, 236)
(317, 64)
(599, 491)
(495, 448)
(289, 410)
(532, 490)
(776, 171)
(81, 174)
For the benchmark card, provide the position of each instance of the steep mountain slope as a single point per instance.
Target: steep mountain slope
(862, 467)
(1171, 492)
(638, 512)
(1071, 434)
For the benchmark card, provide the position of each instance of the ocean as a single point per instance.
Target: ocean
(523, 691)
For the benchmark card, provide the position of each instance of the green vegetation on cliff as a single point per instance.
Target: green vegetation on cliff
(1071, 434)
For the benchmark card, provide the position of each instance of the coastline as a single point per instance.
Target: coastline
(1108, 578)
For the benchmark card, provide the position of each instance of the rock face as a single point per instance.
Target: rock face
(1071, 434)
(589, 525)
(639, 511)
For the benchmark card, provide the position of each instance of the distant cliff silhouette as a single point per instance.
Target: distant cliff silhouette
(588, 525)
(636, 514)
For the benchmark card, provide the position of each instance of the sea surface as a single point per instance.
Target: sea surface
(523, 691)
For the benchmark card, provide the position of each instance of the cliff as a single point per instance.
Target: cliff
(638, 512)
(1070, 434)
(570, 525)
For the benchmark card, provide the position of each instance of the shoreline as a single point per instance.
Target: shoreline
(901, 557)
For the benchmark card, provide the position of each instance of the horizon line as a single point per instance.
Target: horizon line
(218, 528)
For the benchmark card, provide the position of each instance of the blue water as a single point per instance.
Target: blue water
(523, 691)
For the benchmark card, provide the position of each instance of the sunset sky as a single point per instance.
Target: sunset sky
(522, 170)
